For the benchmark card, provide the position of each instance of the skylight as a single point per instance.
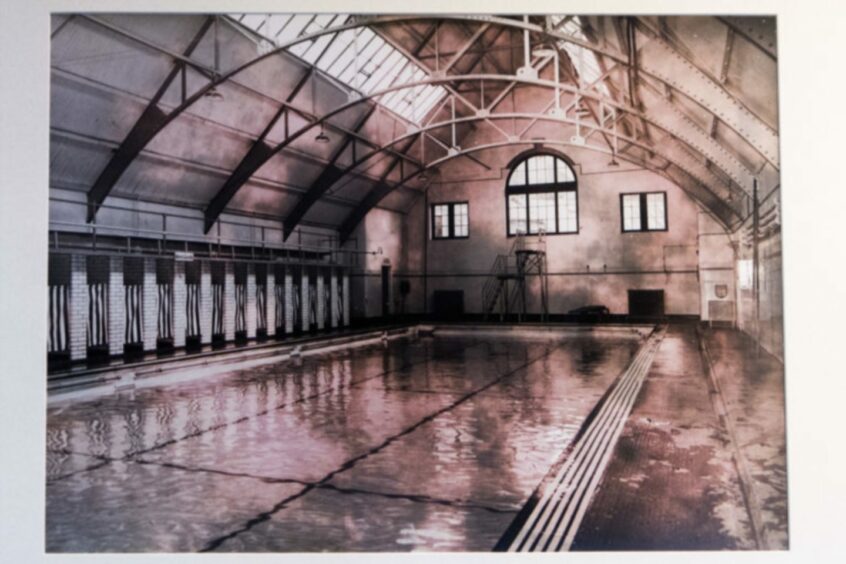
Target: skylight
(376, 67)
(583, 59)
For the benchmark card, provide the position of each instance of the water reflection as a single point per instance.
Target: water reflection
(469, 425)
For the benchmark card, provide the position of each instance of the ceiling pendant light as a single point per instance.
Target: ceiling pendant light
(212, 93)
(322, 138)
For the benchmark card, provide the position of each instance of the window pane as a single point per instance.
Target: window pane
(441, 216)
(567, 217)
(516, 214)
(518, 177)
(541, 169)
(631, 212)
(542, 212)
(460, 217)
(565, 174)
(655, 211)
(744, 274)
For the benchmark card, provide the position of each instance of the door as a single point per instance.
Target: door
(646, 303)
(386, 290)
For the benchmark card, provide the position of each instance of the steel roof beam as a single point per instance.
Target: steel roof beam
(332, 173)
(257, 155)
(593, 127)
(328, 176)
(381, 190)
(150, 122)
(706, 101)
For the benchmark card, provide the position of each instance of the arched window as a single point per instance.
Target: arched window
(541, 196)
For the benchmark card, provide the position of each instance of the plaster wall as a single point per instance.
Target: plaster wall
(597, 265)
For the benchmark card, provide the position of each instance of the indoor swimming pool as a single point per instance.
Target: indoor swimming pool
(421, 443)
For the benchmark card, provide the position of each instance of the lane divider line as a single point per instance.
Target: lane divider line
(563, 501)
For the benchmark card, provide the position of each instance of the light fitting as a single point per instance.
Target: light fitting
(213, 94)
(322, 138)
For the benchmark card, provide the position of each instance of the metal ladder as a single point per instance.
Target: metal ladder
(504, 292)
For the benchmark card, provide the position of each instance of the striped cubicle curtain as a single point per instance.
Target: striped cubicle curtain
(327, 302)
(240, 307)
(133, 298)
(312, 304)
(192, 310)
(217, 309)
(58, 340)
(296, 305)
(165, 316)
(261, 306)
(98, 315)
(279, 291)
(339, 297)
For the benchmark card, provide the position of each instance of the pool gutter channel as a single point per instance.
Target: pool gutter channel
(551, 518)
(718, 400)
(110, 379)
(170, 371)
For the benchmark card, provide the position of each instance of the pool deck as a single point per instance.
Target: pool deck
(701, 462)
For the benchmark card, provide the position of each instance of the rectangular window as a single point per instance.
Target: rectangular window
(440, 221)
(517, 214)
(542, 212)
(451, 220)
(631, 212)
(655, 211)
(460, 220)
(644, 212)
(550, 212)
(567, 213)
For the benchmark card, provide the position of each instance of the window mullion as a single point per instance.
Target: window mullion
(526, 213)
(555, 200)
(644, 219)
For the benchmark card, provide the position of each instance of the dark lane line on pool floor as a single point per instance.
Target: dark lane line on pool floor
(129, 456)
(266, 515)
(340, 489)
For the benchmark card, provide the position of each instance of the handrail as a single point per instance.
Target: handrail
(490, 289)
(502, 265)
(138, 233)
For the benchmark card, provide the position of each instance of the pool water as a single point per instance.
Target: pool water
(432, 443)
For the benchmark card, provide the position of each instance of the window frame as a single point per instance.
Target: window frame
(450, 220)
(644, 213)
(526, 189)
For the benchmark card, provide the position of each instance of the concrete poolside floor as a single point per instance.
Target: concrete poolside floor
(676, 480)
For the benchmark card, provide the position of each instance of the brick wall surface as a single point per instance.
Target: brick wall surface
(180, 297)
(289, 303)
(150, 305)
(116, 306)
(78, 307)
(205, 302)
(270, 302)
(229, 301)
(251, 314)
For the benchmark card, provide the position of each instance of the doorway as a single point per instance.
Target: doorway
(386, 290)
(646, 303)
